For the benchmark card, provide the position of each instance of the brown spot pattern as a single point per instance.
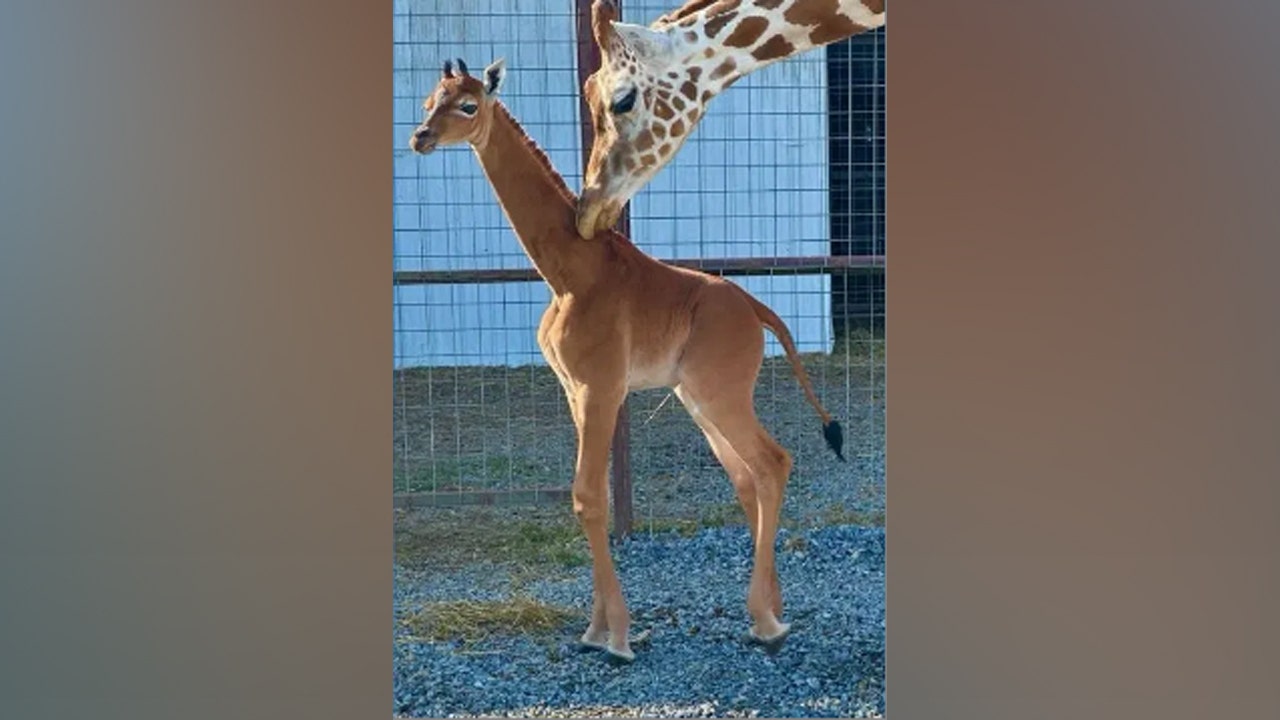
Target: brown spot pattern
(644, 140)
(695, 73)
(663, 110)
(812, 12)
(688, 8)
(875, 6)
(717, 23)
(660, 131)
(690, 90)
(838, 28)
(693, 6)
(769, 4)
(723, 69)
(776, 47)
(747, 32)
(677, 128)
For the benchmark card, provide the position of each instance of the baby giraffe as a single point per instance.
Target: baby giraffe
(620, 320)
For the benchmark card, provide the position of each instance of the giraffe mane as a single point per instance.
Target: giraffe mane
(538, 153)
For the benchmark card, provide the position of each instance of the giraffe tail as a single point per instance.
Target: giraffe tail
(831, 430)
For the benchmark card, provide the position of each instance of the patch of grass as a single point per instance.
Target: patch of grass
(713, 516)
(722, 515)
(470, 472)
(463, 539)
(838, 514)
(558, 544)
(858, 351)
(470, 621)
(862, 344)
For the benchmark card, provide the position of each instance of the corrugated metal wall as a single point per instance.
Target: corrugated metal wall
(752, 181)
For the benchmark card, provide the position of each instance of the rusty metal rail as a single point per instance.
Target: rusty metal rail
(811, 265)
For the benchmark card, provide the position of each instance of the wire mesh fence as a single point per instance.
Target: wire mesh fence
(780, 188)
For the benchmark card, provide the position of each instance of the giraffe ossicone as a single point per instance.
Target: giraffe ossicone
(655, 82)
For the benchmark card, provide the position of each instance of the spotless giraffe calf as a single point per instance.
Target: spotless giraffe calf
(620, 320)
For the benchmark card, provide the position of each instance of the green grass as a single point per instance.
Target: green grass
(713, 516)
(838, 514)
(472, 536)
(731, 514)
(471, 472)
(858, 350)
(471, 621)
(558, 544)
(532, 541)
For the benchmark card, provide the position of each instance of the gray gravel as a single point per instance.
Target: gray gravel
(690, 593)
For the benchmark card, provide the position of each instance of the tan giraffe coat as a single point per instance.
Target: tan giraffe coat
(620, 320)
(655, 83)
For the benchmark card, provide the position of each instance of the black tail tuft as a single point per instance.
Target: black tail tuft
(835, 438)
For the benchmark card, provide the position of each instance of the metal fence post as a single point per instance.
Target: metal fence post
(620, 475)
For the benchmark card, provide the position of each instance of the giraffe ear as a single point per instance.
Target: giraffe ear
(643, 41)
(494, 75)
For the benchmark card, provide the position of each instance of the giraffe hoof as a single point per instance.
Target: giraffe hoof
(771, 645)
(618, 658)
(593, 640)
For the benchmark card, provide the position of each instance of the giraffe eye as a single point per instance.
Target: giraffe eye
(468, 108)
(623, 104)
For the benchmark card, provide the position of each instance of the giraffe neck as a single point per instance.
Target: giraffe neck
(537, 202)
(728, 39)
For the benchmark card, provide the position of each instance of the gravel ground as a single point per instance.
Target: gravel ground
(690, 594)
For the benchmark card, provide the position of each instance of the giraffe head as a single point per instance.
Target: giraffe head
(654, 82)
(460, 107)
(639, 113)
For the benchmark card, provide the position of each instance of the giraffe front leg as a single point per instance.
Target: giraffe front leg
(595, 414)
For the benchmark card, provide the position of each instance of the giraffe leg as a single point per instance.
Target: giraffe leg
(741, 437)
(743, 484)
(596, 636)
(718, 372)
(595, 414)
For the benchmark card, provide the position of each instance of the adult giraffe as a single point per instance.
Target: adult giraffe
(619, 320)
(654, 82)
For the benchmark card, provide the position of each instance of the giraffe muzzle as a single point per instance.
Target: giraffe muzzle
(423, 141)
(596, 212)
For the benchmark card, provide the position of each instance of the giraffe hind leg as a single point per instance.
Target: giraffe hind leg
(739, 435)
